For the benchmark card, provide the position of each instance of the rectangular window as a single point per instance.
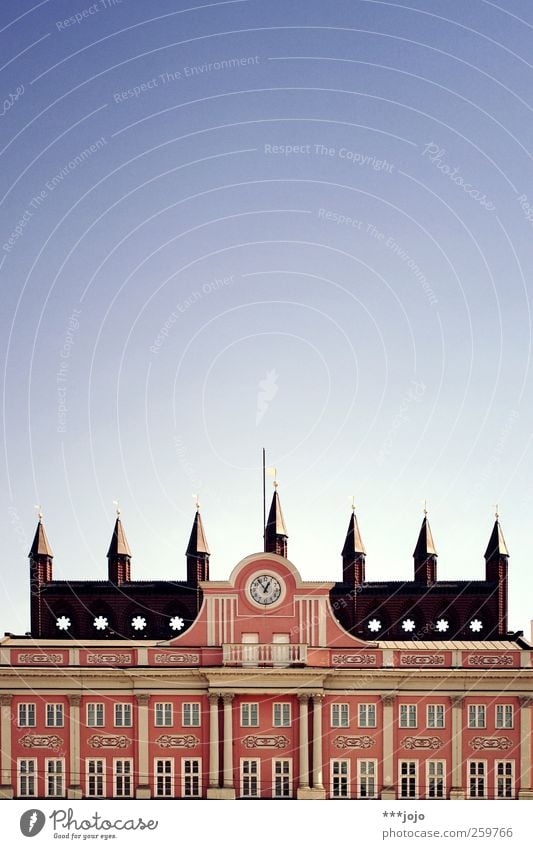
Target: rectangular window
(191, 784)
(191, 714)
(27, 777)
(26, 715)
(282, 779)
(95, 714)
(340, 717)
(282, 715)
(436, 779)
(504, 779)
(407, 716)
(55, 777)
(476, 716)
(164, 778)
(250, 783)
(54, 715)
(163, 713)
(122, 715)
(122, 778)
(367, 716)
(408, 779)
(477, 779)
(504, 716)
(249, 714)
(340, 779)
(435, 716)
(96, 778)
(366, 779)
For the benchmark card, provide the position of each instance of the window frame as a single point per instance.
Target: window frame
(95, 775)
(340, 777)
(368, 707)
(276, 761)
(164, 775)
(256, 774)
(434, 706)
(24, 707)
(366, 776)
(504, 762)
(191, 709)
(408, 777)
(55, 775)
(247, 707)
(484, 776)
(479, 708)
(33, 773)
(410, 708)
(95, 706)
(57, 707)
(505, 707)
(341, 708)
(188, 776)
(123, 775)
(164, 706)
(123, 707)
(283, 707)
(442, 762)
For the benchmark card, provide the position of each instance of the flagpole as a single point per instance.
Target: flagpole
(264, 503)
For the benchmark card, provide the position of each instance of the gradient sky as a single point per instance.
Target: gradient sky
(303, 225)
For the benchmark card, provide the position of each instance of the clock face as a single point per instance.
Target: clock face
(265, 589)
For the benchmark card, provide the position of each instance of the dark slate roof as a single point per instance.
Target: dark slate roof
(197, 541)
(40, 544)
(119, 543)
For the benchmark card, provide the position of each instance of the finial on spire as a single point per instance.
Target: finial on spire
(496, 513)
(117, 506)
(425, 509)
(196, 501)
(39, 509)
(273, 472)
(353, 503)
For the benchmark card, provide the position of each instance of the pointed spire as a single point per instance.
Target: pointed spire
(497, 546)
(118, 546)
(425, 554)
(425, 545)
(197, 540)
(276, 531)
(40, 546)
(353, 544)
(353, 554)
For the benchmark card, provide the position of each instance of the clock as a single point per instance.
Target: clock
(265, 589)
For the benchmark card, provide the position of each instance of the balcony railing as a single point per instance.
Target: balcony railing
(264, 654)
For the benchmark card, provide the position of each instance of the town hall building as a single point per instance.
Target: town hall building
(266, 685)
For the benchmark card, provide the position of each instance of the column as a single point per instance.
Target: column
(229, 791)
(213, 740)
(388, 702)
(7, 781)
(142, 790)
(303, 790)
(74, 790)
(526, 791)
(318, 784)
(457, 790)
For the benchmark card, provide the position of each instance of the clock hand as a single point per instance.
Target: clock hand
(265, 589)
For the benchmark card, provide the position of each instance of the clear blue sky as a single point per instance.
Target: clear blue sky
(302, 225)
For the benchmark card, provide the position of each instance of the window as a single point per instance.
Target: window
(366, 779)
(249, 714)
(504, 779)
(191, 714)
(408, 782)
(436, 779)
(340, 779)
(164, 778)
(250, 779)
(163, 713)
(54, 715)
(55, 777)
(95, 714)
(477, 779)
(122, 778)
(95, 777)
(191, 787)
(122, 715)
(367, 716)
(407, 716)
(27, 777)
(282, 715)
(435, 716)
(504, 716)
(340, 717)
(282, 779)
(26, 715)
(476, 716)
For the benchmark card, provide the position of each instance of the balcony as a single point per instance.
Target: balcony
(264, 654)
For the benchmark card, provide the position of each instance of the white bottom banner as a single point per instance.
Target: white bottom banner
(261, 823)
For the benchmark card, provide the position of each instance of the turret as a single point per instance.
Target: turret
(353, 554)
(425, 555)
(496, 569)
(118, 555)
(275, 531)
(40, 573)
